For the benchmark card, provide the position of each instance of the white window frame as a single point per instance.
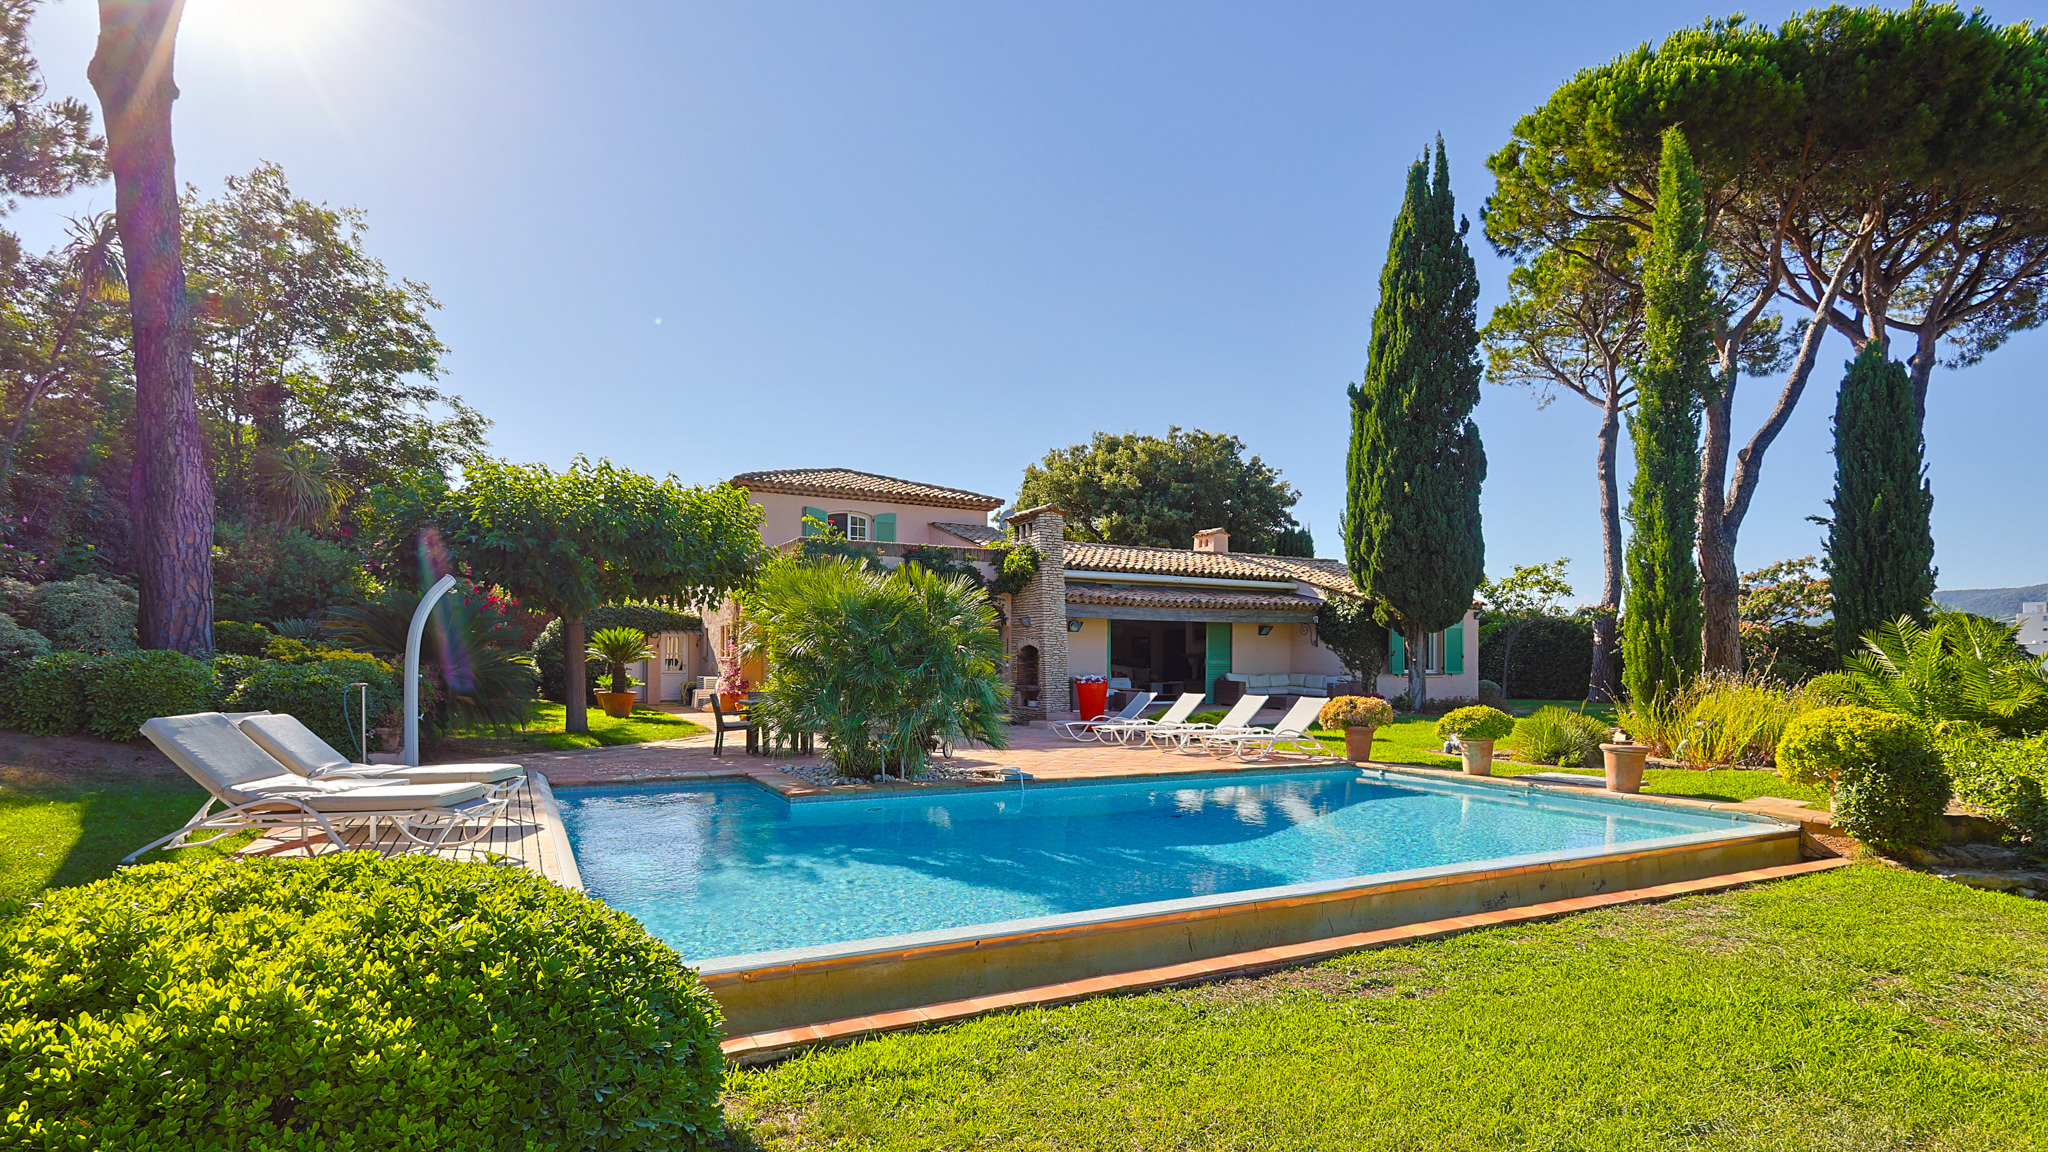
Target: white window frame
(859, 525)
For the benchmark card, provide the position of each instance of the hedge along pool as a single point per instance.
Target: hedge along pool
(726, 869)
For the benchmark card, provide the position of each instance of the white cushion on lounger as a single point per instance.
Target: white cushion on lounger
(393, 797)
(301, 749)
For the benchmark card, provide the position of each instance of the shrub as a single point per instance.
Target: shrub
(1958, 668)
(1490, 693)
(124, 689)
(1355, 712)
(1794, 651)
(319, 694)
(649, 618)
(230, 670)
(2006, 779)
(1735, 720)
(1554, 735)
(1477, 722)
(89, 614)
(238, 639)
(1818, 748)
(348, 1001)
(278, 574)
(46, 697)
(19, 645)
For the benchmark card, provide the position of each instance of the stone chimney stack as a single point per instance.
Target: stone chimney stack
(1212, 540)
(1038, 614)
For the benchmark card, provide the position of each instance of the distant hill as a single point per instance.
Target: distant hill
(1993, 602)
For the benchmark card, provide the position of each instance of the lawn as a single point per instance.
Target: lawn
(1864, 1008)
(548, 733)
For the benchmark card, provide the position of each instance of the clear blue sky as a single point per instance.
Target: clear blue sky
(937, 240)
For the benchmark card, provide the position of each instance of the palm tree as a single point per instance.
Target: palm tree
(1959, 667)
(619, 647)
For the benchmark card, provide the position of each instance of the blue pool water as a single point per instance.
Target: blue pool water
(729, 868)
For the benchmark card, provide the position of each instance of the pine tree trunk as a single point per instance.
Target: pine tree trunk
(575, 676)
(1720, 585)
(171, 489)
(1604, 685)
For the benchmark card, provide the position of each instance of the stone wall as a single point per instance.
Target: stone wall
(1043, 602)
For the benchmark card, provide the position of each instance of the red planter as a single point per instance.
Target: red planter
(1091, 700)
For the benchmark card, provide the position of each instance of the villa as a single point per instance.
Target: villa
(1162, 619)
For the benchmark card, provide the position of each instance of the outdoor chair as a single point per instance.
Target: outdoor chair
(1292, 730)
(1134, 728)
(1085, 729)
(301, 749)
(723, 722)
(255, 791)
(1178, 735)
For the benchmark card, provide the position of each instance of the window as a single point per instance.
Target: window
(852, 525)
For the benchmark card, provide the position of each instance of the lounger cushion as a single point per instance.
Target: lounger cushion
(301, 749)
(211, 750)
(296, 746)
(393, 797)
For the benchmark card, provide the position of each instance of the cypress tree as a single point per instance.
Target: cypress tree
(1660, 638)
(1411, 522)
(1880, 542)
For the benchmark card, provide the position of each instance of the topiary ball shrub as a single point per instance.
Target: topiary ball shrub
(46, 696)
(348, 1001)
(123, 690)
(1346, 712)
(1476, 722)
(1887, 783)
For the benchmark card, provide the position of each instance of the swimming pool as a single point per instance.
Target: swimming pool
(726, 869)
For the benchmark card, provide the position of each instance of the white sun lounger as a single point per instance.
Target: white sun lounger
(1084, 729)
(1179, 734)
(301, 749)
(1292, 730)
(1134, 729)
(254, 790)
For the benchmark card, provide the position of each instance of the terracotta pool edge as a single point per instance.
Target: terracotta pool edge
(775, 1044)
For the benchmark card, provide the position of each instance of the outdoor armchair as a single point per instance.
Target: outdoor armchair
(1178, 735)
(1085, 729)
(301, 750)
(1292, 730)
(253, 790)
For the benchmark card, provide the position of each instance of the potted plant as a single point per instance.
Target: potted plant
(1356, 717)
(732, 687)
(1624, 760)
(619, 647)
(1476, 728)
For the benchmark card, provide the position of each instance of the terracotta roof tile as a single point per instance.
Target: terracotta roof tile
(1079, 592)
(980, 534)
(856, 485)
(1327, 574)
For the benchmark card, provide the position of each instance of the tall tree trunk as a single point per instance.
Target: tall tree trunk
(1720, 584)
(575, 675)
(1604, 685)
(1417, 640)
(171, 489)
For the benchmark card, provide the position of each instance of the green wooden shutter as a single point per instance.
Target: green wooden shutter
(1397, 654)
(1215, 658)
(1454, 648)
(811, 514)
(885, 528)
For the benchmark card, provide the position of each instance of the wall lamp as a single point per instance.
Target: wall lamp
(1265, 629)
(1075, 625)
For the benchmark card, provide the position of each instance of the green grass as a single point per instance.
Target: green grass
(55, 834)
(1864, 1008)
(547, 733)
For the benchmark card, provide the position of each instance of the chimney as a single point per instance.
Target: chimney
(1212, 540)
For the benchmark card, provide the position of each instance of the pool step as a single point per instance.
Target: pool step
(760, 1047)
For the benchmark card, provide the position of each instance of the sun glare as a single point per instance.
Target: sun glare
(268, 25)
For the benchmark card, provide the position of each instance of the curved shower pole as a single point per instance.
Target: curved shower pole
(412, 667)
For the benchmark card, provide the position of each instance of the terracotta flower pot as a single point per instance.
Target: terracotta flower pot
(617, 705)
(1358, 744)
(1478, 756)
(730, 701)
(1624, 766)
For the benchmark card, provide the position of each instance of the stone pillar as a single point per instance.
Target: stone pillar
(1044, 602)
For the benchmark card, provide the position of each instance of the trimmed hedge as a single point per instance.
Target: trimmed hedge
(234, 638)
(123, 690)
(46, 697)
(2007, 779)
(1553, 657)
(348, 1001)
(648, 618)
(315, 692)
